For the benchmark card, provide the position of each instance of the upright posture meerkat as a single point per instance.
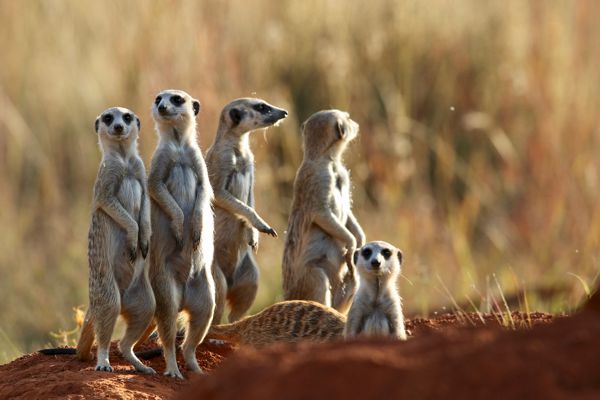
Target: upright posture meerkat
(322, 230)
(181, 250)
(376, 309)
(231, 169)
(118, 243)
(287, 321)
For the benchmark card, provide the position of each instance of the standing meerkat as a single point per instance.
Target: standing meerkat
(284, 322)
(377, 308)
(231, 170)
(181, 249)
(322, 230)
(118, 243)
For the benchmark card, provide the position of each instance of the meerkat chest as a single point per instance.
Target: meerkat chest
(240, 177)
(181, 178)
(129, 191)
(340, 199)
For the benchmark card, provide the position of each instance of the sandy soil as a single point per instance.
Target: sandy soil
(446, 355)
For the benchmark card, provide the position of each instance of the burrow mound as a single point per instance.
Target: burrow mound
(548, 361)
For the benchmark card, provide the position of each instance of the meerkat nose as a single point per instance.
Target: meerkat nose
(285, 113)
(375, 263)
(162, 108)
(118, 128)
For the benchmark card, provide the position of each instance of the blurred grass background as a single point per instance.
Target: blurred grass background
(478, 152)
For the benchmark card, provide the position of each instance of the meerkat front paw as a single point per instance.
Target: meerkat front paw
(268, 230)
(253, 239)
(144, 249)
(196, 237)
(177, 228)
(132, 243)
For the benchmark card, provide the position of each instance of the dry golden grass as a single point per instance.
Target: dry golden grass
(478, 152)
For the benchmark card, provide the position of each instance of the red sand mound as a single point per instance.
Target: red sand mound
(551, 361)
(443, 357)
(38, 376)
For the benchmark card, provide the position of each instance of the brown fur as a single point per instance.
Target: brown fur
(181, 251)
(118, 243)
(322, 231)
(287, 321)
(377, 307)
(231, 169)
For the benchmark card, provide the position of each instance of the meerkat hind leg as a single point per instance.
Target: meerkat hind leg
(200, 304)
(107, 310)
(167, 300)
(220, 294)
(138, 310)
(245, 285)
(314, 285)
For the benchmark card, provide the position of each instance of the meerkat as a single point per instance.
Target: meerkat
(181, 248)
(377, 308)
(322, 231)
(287, 322)
(118, 242)
(230, 165)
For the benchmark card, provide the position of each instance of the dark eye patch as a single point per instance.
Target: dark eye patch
(157, 100)
(386, 253)
(127, 118)
(262, 108)
(366, 253)
(107, 119)
(177, 100)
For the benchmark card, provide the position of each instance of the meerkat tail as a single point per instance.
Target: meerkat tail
(57, 351)
(86, 339)
(228, 332)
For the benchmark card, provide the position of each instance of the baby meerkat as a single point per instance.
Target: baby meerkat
(231, 170)
(322, 230)
(118, 243)
(377, 308)
(181, 249)
(284, 322)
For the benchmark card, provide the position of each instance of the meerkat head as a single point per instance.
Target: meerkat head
(378, 259)
(117, 125)
(248, 114)
(175, 108)
(326, 133)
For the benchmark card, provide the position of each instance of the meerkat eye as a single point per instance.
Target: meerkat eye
(386, 253)
(127, 118)
(177, 100)
(366, 253)
(157, 100)
(262, 108)
(107, 119)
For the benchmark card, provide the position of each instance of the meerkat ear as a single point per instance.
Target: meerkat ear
(97, 124)
(236, 116)
(340, 128)
(139, 124)
(196, 105)
(399, 255)
(355, 256)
